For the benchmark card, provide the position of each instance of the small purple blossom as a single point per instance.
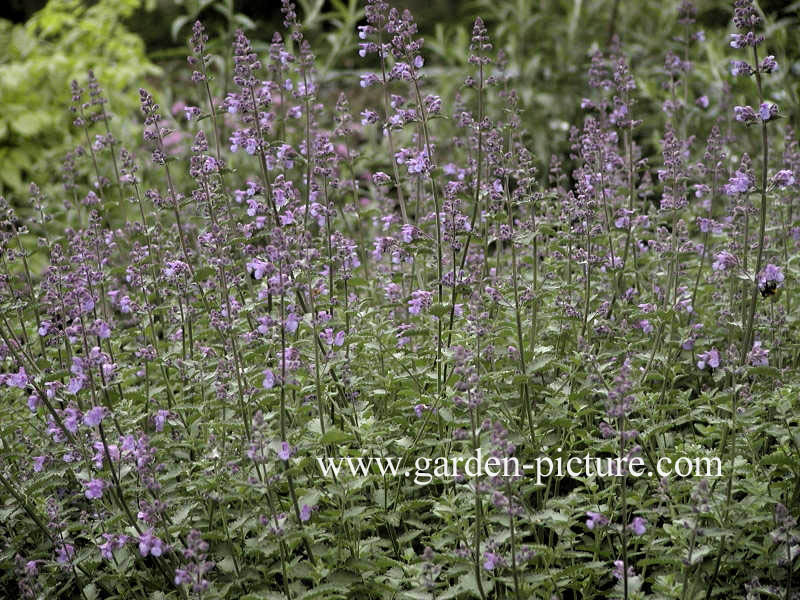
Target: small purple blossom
(618, 570)
(34, 402)
(769, 64)
(269, 379)
(369, 79)
(724, 261)
(150, 544)
(285, 453)
(65, 553)
(740, 183)
(71, 418)
(94, 489)
(161, 418)
(305, 512)
(420, 300)
(767, 111)
(368, 117)
(745, 114)
(739, 67)
(95, 416)
(596, 519)
(292, 323)
(638, 526)
(381, 178)
(783, 178)
(708, 359)
(758, 355)
(17, 380)
(112, 542)
(101, 329)
(491, 560)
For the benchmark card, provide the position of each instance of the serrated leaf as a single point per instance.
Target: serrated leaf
(334, 436)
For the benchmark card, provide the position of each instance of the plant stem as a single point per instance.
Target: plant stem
(748, 333)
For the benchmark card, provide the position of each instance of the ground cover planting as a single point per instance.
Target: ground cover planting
(290, 332)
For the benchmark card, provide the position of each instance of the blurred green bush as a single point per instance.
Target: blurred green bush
(38, 61)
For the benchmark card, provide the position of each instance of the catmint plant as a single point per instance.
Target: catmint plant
(248, 350)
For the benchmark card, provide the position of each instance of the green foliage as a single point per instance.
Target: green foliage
(193, 8)
(58, 44)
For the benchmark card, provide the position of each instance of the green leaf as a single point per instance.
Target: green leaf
(27, 124)
(90, 591)
(227, 564)
(334, 436)
(181, 515)
(440, 309)
(178, 24)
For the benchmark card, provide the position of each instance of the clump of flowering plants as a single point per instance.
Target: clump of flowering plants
(294, 274)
